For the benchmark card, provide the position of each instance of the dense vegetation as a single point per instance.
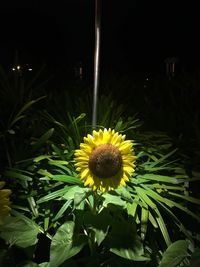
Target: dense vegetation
(55, 220)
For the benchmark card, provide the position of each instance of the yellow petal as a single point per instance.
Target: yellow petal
(89, 181)
(122, 182)
(5, 193)
(2, 184)
(81, 164)
(125, 147)
(85, 173)
(128, 169)
(106, 136)
(82, 159)
(86, 148)
(80, 153)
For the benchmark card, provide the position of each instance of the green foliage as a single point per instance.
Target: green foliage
(19, 231)
(55, 199)
(65, 244)
(131, 225)
(195, 258)
(179, 254)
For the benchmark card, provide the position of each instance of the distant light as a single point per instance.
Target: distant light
(147, 79)
(18, 67)
(30, 69)
(13, 69)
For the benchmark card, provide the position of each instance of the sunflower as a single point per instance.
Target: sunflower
(105, 160)
(4, 202)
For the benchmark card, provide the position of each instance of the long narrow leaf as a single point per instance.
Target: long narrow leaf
(62, 210)
(158, 197)
(164, 158)
(16, 175)
(187, 198)
(161, 178)
(152, 220)
(66, 178)
(163, 227)
(144, 220)
(43, 139)
(132, 207)
(143, 196)
(54, 195)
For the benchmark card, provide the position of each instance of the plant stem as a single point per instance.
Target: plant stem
(94, 209)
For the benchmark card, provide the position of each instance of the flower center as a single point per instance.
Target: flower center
(105, 161)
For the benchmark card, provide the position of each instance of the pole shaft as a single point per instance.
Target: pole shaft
(96, 61)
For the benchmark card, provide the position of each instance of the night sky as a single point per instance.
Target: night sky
(136, 35)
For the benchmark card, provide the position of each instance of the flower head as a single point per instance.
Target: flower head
(4, 202)
(105, 160)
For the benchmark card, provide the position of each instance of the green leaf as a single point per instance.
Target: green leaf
(111, 199)
(187, 198)
(45, 173)
(54, 194)
(195, 260)
(152, 220)
(99, 223)
(24, 108)
(158, 197)
(44, 264)
(41, 157)
(129, 254)
(16, 120)
(132, 207)
(142, 194)
(80, 197)
(163, 158)
(43, 139)
(30, 264)
(58, 162)
(186, 210)
(124, 193)
(163, 227)
(175, 254)
(17, 175)
(124, 241)
(118, 125)
(11, 131)
(70, 194)
(176, 220)
(160, 178)
(66, 178)
(65, 244)
(62, 210)
(144, 221)
(19, 231)
(168, 187)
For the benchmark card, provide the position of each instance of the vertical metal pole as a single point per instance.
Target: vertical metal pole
(96, 60)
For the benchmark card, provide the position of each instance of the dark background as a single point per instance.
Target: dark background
(136, 35)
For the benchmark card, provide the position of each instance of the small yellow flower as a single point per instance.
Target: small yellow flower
(4, 202)
(105, 160)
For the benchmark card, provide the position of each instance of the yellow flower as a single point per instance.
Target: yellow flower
(105, 160)
(4, 202)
